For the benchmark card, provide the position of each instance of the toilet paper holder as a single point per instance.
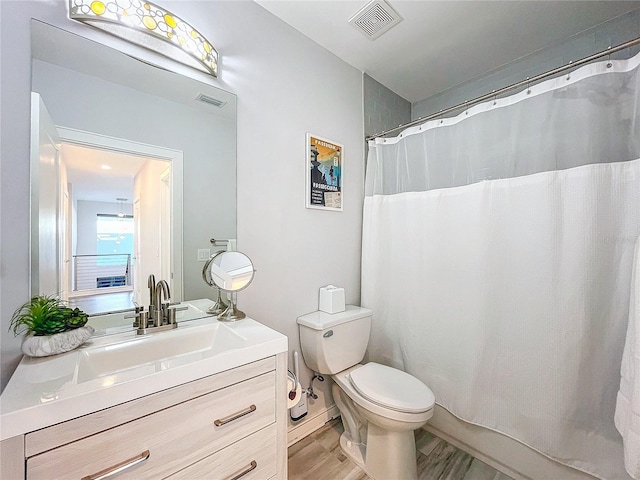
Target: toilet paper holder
(294, 389)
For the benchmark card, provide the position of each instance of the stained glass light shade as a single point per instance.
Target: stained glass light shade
(148, 25)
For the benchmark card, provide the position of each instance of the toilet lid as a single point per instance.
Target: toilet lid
(392, 388)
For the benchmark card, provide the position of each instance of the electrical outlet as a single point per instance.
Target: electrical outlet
(204, 254)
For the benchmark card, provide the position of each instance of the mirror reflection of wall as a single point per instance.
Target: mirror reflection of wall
(90, 88)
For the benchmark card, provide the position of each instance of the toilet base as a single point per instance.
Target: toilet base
(355, 451)
(390, 455)
(389, 459)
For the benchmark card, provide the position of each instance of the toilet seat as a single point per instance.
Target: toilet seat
(392, 388)
(343, 380)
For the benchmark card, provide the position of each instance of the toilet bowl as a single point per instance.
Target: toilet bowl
(392, 408)
(380, 406)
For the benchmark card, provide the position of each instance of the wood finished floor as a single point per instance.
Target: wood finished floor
(319, 457)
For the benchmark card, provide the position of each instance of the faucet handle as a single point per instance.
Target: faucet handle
(141, 319)
(158, 317)
(172, 316)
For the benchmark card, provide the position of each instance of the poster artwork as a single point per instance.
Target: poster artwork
(325, 174)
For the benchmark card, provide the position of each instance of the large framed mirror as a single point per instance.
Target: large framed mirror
(133, 171)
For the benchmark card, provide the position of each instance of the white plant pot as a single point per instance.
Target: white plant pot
(45, 345)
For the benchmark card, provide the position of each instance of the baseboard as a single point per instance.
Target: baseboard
(310, 425)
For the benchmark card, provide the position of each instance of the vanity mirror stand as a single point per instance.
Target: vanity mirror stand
(228, 272)
(219, 306)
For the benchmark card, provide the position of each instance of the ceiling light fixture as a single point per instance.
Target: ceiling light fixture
(150, 26)
(121, 201)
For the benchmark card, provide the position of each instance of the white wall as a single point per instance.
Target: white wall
(146, 188)
(286, 86)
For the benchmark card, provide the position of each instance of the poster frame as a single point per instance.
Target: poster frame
(336, 181)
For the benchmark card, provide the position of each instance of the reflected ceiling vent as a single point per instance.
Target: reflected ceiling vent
(210, 100)
(375, 18)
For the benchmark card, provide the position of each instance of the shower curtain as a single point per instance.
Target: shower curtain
(497, 254)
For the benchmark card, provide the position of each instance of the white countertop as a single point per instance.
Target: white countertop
(49, 390)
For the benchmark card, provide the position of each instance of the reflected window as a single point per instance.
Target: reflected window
(114, 239)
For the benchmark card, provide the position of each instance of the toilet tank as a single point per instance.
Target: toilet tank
(334, 342)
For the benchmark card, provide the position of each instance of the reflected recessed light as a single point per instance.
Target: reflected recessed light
(105, 167)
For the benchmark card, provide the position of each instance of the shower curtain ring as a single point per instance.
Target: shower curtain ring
(440, 117)
(495, 97)
(609, 64)
(528, 88)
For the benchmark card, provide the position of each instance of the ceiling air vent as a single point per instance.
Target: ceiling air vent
(375, 18)
(210, 100)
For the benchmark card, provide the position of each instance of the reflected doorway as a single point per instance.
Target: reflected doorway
(120, 218)
(82, 222)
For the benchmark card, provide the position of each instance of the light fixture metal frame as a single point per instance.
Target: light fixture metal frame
(107, 15)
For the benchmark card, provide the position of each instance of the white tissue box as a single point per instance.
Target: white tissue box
(331, 299)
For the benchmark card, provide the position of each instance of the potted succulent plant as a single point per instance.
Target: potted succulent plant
(50, 327)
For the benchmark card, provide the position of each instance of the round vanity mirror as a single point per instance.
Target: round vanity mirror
(229, 272)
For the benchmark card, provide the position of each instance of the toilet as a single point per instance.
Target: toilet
(380, 406)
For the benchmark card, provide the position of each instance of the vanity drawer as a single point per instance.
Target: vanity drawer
(252, 458)
(174, 437)
(78, 428)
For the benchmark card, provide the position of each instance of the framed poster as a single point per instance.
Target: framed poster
(324, 173)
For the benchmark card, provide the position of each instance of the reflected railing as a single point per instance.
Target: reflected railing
(101, 271)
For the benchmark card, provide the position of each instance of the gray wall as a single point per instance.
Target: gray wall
(383, 108)
(610, 33)
(267, 64)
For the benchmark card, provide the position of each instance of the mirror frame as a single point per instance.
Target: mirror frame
(206, 271)
(175, 157)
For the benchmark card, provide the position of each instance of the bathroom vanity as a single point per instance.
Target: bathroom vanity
(207, 400)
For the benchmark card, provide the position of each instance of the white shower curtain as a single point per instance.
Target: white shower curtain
(497, 254)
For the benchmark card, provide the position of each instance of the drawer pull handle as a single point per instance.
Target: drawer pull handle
(244, 471)
(119, 467)
(234, 416)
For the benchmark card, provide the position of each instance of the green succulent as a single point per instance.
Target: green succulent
(46, 315)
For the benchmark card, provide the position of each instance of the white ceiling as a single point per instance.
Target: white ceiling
(91, 182)
(440, 44)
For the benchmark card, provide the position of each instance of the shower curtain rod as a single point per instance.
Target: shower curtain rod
(495, 93)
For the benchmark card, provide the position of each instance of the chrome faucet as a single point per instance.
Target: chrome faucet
(151, 283)
(161, 308)
(159, 317)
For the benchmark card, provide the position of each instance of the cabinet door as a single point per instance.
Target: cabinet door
(160, 444)
(252, 458)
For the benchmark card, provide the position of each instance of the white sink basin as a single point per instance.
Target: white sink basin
(157, 351)
(113, 369)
